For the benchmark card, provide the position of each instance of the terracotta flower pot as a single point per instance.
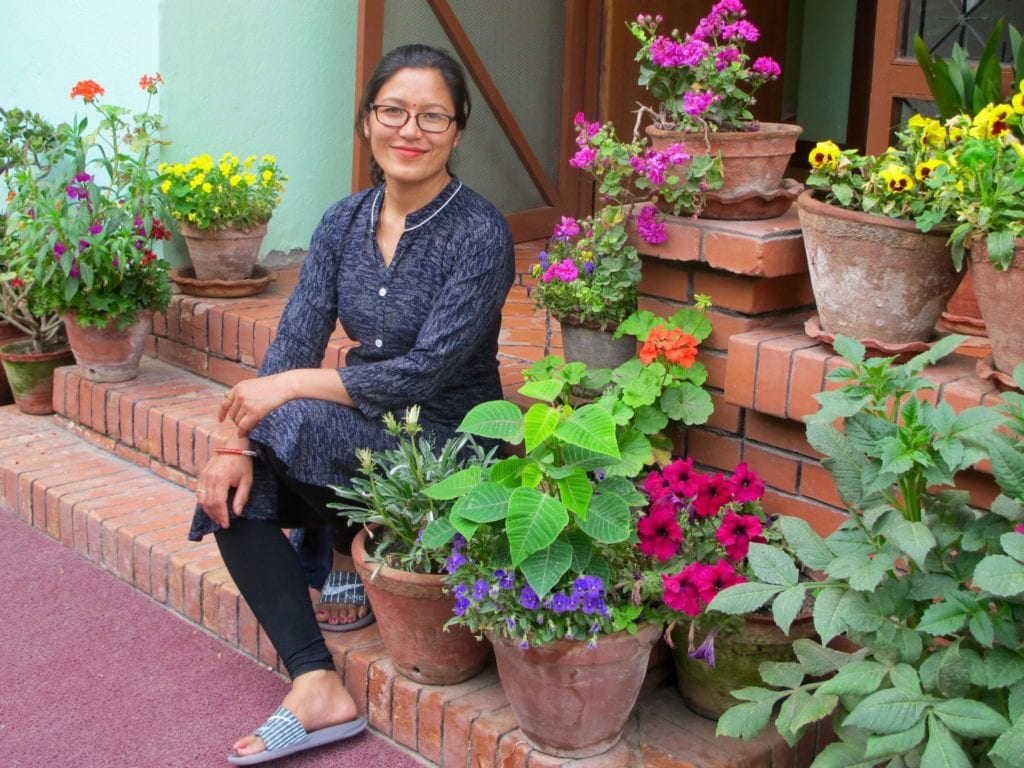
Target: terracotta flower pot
(874, 278)
(107, 354)
(571, 700)
(753, 164)
(223, 254)
(30, 374)
(999, 296)
(411, 611)
(594, 346)
(707, 690)
(7, 333)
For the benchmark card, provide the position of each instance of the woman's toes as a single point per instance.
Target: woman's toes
(248, 745)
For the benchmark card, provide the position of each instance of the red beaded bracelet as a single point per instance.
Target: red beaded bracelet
(236, 451)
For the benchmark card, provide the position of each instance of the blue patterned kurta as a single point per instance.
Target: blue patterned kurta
(427, 328)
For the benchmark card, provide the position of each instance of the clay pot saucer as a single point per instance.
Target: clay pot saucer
(875, 348)
(752, 205)
(986, 369)
(185, 279)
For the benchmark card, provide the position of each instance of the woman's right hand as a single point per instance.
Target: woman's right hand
(222, 473)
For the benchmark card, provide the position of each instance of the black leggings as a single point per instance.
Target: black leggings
(271, 578)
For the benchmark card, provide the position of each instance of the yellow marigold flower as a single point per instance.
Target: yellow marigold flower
(269, 159)
(235, 180)
(196, 180)
(824, 155)
(225, 157)
(207, 188)
(267, 175)
(250, 160)
(204, 162)
(896, 179)
(224, 168)
(925, 169)
(162, 168)
(249, 178)
(165, 187)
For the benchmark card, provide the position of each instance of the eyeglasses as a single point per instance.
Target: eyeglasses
(396, 117)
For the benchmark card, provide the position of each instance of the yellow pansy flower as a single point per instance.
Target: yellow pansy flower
(925, 169)
(224, 168)
(1018, 103)
(824, 155)
(931, 131)
(896, 179)
(207, 188)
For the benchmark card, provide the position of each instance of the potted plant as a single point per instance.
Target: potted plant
(928, 591)
(705, 84)
(876, 276)
(32, 345)
(699, 527)
(222, 208)
(982, 187)
(87, 239)
(401, 574)
(588, 276)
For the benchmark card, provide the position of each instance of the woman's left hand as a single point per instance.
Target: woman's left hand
(249, 401)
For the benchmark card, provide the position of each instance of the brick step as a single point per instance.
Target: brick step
(132, 522)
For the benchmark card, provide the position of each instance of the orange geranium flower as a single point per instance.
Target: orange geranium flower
(149, 83)
(87, 89)
(677, 347)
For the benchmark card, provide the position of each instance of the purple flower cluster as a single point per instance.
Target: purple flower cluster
(456, 560)
(649, 227)
(77, 190)
(567, 227)
(566, 271)
(587, 595)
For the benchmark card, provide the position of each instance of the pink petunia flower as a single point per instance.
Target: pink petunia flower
(736, 532)
(659, 533)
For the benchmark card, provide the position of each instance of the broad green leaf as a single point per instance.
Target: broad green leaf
(506, 471)
(608, 519)
(455, 485)
(582, 550)
(547, 390)
(499, 419)
(1007, 466)
(895, 743)
(1003, 668)
(787, 605)
(890, 710)
(809, 546)
(828, 619)
(916, 539)
(791, 712)
(942, 619)
(819, 660)
(576, 491)
(687, 403)
(438, 533)
(649, 419)
(1013, 545)
(971, 718)
(772, 565)
(941, 749)
(745, 720)
(539, 424)
(544, 568)
(1000, 575)
(534, 521)
(1010, 746)
(810, 709)
(905, 677)
(592, 428)
(849, 349)
(532, 475)
(857, 678)
(743, 598)
(466, 527)
(636, 453)
(486, 503)
(781, 674)
(840, 754)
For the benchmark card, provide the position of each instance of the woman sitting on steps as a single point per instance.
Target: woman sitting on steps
(417, 270)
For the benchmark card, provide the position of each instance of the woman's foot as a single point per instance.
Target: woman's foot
(318, 699)
(338, 613)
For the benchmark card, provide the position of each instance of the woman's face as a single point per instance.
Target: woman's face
(410, 155)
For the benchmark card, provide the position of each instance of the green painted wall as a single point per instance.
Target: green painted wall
(264, 77)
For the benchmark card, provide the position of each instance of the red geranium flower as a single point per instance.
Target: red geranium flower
(87, 89)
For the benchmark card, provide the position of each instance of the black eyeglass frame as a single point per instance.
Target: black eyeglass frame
(374, 107)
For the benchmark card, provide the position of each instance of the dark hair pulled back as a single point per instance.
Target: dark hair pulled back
(414, 56)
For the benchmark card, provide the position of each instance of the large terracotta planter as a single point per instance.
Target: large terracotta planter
(107, 354)
(223, 254)
(7, 333)
(706, 690)
(411, 611)
(874, 278)
(571, 700)
(999, 298)
(594, 346)
(30, 374)
(753, 164)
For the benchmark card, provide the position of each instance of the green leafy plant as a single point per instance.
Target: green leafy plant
(929, 591)
(956, 86)
(87, 228)
(390, 491)
(229, 193)
(27, 144)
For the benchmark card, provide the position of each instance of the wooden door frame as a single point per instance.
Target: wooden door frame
(570, 194)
